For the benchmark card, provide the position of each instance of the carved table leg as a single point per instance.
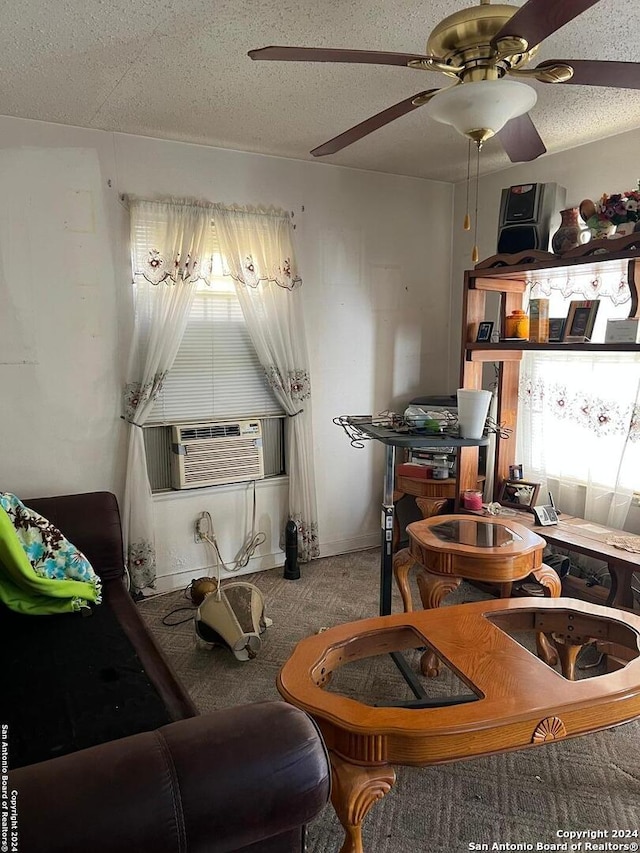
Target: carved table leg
(431, 506)
(546, 649)
(402, 563)
(548, 580)
(552, 588)
(568, 653)
(355, 789)
(433, 589)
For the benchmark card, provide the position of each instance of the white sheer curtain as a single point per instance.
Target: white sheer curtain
(579, 430)
(170, 245)
(258, 251)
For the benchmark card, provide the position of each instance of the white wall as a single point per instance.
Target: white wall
(587, 171)
(376, 268)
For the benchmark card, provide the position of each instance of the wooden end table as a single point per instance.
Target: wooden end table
(518, 700)
(449, 548)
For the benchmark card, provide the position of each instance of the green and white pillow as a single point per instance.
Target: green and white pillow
(49, 552)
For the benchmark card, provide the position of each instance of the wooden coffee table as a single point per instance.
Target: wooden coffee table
(521, 702)
(448, 548)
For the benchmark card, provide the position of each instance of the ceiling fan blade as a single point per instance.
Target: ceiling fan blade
(537, 19)
(520, 140)
(592, 72)
(369, 125)
(322, 54)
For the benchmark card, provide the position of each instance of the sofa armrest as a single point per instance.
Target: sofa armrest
(210, 784)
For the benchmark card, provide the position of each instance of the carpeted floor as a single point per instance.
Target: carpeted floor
(524, 797)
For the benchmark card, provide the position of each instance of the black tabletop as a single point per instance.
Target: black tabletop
(407, 439)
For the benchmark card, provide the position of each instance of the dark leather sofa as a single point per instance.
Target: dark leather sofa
(155, 776)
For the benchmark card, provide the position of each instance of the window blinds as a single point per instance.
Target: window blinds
(216, 374)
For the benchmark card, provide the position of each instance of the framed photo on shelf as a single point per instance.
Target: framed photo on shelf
(556, 328)
(519, 494)
(484, 332)
(580, 320)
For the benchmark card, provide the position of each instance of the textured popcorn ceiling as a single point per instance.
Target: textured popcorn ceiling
(179, 70)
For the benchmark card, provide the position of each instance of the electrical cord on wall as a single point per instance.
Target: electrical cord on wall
(204, 526)
(206, 532)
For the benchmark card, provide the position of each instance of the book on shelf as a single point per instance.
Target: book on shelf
(539, 320)
(426, 456)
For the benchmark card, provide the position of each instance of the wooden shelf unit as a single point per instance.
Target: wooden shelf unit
(485, 352)
(508, 276)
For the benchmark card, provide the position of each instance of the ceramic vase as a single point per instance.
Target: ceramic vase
(570, 233)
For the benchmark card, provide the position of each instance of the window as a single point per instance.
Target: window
(216, 376)
(580, 407)
(578, 418)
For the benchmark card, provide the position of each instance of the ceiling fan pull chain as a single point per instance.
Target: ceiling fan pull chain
(467, 218)
(475, 255)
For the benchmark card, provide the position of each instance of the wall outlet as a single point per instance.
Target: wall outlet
(201, 527)
(197, 527)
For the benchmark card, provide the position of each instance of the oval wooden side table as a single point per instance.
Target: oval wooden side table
(449, 548)
(517, 701)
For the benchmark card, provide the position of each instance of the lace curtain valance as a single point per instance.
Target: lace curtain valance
(257, 249)
(590, 282)
(179, 241)
(172, 242)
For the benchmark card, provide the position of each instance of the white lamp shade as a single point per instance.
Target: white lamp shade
(482, 105)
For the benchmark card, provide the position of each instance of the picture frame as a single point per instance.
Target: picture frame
(580, 320)
(556, 328)
(485, 330)
(545, 515)
(519, 494)
(516, 472)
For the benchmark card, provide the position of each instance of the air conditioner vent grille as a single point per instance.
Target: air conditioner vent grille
(200, 431)
(215, 454)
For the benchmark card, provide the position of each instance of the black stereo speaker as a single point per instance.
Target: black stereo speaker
(529, 215)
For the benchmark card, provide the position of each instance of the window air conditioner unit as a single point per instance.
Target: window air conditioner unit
(212, 454)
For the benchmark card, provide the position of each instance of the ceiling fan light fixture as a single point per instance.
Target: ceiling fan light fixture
(480, 109)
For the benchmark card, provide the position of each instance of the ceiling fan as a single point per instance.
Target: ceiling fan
(477, 48)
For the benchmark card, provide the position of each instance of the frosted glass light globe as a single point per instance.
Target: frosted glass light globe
(482, 108)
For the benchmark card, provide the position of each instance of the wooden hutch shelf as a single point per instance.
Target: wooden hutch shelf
(506, 350)
(509, 276)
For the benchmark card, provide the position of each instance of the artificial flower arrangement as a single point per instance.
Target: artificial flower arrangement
(613, 209)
